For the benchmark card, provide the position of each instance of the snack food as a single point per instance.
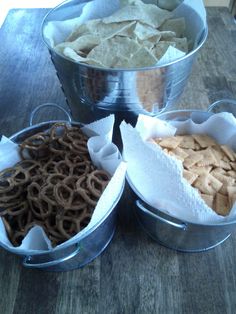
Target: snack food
(55, 186)
(207, 166)
(137, 35)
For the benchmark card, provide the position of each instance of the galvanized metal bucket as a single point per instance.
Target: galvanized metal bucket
(177, 234)
(84, 248)
(93, 93)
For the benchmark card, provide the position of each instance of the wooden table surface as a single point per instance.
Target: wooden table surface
(134, 274)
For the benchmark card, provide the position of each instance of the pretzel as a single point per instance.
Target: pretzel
(77, 202)
(85, 220)
(58, 130)
(5, 205)
(63, 195)
(32, 168)
(23, 220)
(36, 146)
(68, 226)
(73, 158)
(81, 168)
(63, 168)
(17, 209)
(97, 182)
(50, 167)
(79, 147)
(11, 196)
(81, 188)
(8, 227)
(71, 181)
(5, 185)
(12, 177)
(18, 236)
(33, 191)
(51, 229)
(53, 178)
(47, 194)
(57, 148)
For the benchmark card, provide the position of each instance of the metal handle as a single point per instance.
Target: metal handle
(141, 206)
(224, 104)
(28, 259)
(48, 105)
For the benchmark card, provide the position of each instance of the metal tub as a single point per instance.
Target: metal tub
(85, 248)
(175, 233)
(93, 92)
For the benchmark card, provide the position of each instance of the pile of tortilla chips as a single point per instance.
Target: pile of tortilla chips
(137, 35)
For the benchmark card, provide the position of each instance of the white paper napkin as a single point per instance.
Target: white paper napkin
(158, 177)
(8, 153)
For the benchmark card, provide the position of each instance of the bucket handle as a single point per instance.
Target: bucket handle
(217, 103)
(48, 104)
(141, 206)
(27, 262)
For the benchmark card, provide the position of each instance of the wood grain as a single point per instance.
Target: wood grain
(134, 274)
(217, 3)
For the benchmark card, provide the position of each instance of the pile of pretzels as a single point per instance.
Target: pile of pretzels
(55, 186)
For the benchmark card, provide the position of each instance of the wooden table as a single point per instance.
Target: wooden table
(134, 274)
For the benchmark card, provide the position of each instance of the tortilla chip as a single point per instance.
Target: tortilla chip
(150, 42)
(146, 35)
(83, 43)
(142, 58)
(181, 44)
(82, 29)
(107, 51)
(160, 48)
(100, 29)
(143, 31)
(167, 35)
(177, 26)
(149, 14)
(70, 53)
(178, 43)
(127, 31)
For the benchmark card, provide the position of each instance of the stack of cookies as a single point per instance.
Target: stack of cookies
(207, 166)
